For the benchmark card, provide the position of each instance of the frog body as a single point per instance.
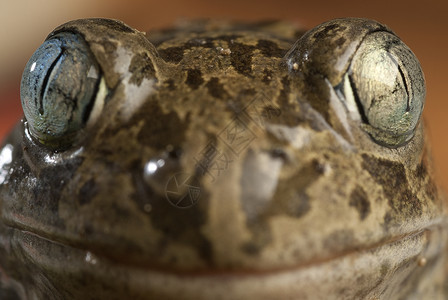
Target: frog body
(221, 161)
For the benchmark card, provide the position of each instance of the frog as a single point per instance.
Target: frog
(221, 160)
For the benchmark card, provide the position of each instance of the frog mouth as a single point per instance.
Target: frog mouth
(416, 251)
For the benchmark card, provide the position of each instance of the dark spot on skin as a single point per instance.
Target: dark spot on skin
(169, 84)
(319, 95)
(175, 54)
(216, 89)
(161, 129)
(201, 41)
(363, 281)
(285, 91)
(432, 191)
(179, 226)
(296, 205)
(278, 153)
(319, 167)
(261, 236)
(285, 113)
(141, 67)
(339, 240)
(392, 177)
(270, 49)
(388, 219)
(207, 158)
(384, 269)
(109, 46)
(267, 76)
(175, 153)
(117, 26)
(290, 196)
(270, 112)
(340, 41)
(422, 170)
(172, 54)
(241, 57)
(194, 78)
(245, 103)
(425, 177)
(322, 33)
(328, 31)
(360, 201)
(250, 248)
(88, 228)
(87, 192)
(249, 92)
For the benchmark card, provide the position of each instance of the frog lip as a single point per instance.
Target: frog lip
(335, 272)
(93, 257)
(60, 237)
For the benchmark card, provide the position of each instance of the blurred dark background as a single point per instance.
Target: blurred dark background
(422, 25)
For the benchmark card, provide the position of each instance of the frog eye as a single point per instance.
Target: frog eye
(374, 73)
(387, 84)
(61, 90)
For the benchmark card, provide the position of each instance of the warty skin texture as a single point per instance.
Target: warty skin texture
(293, 190)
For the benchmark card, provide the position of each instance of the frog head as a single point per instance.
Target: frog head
(254, 153)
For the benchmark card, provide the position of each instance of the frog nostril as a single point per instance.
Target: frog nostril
(279, 153)
(165, 178)
(174, 152)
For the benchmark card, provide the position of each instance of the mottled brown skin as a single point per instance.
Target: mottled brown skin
(302, 203)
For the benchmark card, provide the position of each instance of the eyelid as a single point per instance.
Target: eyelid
(328, 48)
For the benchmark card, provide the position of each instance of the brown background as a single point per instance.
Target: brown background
(421, 24)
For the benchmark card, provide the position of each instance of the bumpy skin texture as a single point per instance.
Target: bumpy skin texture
(291, 197)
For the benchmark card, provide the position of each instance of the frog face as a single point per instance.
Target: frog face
(221, 155)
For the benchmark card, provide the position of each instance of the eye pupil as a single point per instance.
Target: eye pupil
(403, 78)
(45, 82)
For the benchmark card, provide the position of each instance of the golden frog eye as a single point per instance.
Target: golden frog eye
(387, 84)
(59, 88)
(372, 71)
